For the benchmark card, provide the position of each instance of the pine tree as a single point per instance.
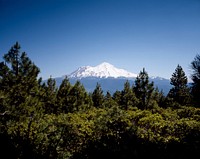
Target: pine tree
(195, 65)
(117, 97)
(78, 98)
(128, 97)
(20, 99)
(18, 80)
(63, 95)
(109, 101)
(49, 96)
(159, 97)
(179, 92)
(18, 68)
(97, 96)
(143, 89)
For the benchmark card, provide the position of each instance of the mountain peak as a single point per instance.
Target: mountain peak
(103, 70)
(105, 64)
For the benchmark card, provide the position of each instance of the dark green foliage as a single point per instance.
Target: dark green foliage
(19, 83)
(159, 98)
(117, 97)
(180, 91)
(128, 98)
(20, 103)
(18, 68)
(117, 133)
(49, 96)
(41, 121)
(97, 96)
(195, 65)
(143, 89)
(63, 96)
(109, 101)
(78, 98)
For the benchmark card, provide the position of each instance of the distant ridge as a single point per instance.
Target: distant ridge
(110, 78)
(104, 70)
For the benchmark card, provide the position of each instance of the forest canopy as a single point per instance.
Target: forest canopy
(42, 121)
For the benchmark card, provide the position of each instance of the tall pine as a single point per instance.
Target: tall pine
(109, 101)
(143, 89)
(78, 98)
(19, 95)
(128, 98)
(19, 82)
(195, 65)
(63, 95)
(179, 92)
(97, 96)
(49, 96)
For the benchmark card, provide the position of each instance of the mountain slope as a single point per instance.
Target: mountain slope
(104, 70)
(110, 78)
(114, 84)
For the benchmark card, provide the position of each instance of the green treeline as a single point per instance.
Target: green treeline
(40, 121)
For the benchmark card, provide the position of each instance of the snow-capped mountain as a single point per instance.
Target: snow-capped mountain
(104, 70)
(110, 78)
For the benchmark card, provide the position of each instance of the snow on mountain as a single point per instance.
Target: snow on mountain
(104, 70)
(156, 78)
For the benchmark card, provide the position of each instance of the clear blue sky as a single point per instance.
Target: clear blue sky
(61, 35)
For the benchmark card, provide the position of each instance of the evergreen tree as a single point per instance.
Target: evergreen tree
(49, 96)
(117, 97)
(78, 98)
(21, 104)
(179, 92)
(18, 80)
(97, 96)
(128, 97)
(143, 89)
(159, 97)
(63, 95)
(108, 100)
(195, 65)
